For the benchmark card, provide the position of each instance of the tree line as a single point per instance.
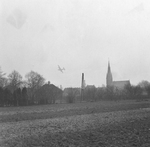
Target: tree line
(138, 92)
(14, 91)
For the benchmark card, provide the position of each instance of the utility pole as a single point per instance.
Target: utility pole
(82, 87)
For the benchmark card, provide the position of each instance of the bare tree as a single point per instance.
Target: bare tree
(3, 80)
(14, 80)
(143, 84)
(34, 82)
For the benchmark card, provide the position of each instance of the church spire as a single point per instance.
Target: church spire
(109, 70)
(109, 78)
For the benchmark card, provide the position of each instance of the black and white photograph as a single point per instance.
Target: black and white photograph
(74, 73)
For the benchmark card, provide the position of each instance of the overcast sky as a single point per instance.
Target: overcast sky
(79, 35)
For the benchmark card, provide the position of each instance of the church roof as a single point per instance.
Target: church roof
(120, 84)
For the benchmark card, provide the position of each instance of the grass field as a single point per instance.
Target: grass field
(98, 124)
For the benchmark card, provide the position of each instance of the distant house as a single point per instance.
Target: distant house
(48, 93)
(116, 84)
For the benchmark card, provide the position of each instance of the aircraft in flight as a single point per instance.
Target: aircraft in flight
(61, 69)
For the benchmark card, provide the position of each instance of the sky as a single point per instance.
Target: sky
(79, 35)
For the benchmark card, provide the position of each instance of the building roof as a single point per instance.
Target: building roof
(120, 84)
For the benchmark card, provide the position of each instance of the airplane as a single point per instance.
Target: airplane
(61, 69)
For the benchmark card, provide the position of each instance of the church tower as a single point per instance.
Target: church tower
(109, 78)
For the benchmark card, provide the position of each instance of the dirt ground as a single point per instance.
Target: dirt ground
(96, 124)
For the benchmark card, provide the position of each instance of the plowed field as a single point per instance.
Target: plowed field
(95, 124)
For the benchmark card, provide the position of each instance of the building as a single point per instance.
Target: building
(116, 84)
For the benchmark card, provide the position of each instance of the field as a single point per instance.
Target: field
(86, 124)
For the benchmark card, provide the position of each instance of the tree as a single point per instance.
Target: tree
(133, 92)
(110, 93)
(143, 84)
(100, 92)
(71, 94)
(7, 97)
(24, 96)
(1, 96)
(128, 91)
(14, 80)
(34, 82)
(15, 98)
(148, 90)
(137, 90)
(3, 80)
(19, 96)
(90, 93)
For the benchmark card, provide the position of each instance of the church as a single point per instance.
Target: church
(117, 84)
